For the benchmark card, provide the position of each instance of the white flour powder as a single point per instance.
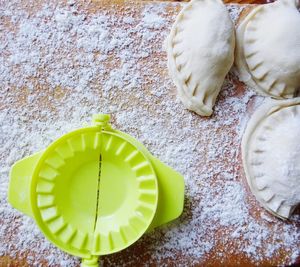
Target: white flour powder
(59, 64)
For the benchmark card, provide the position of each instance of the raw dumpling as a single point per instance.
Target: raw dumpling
(200, 53)
(268, 49)
(271, 155)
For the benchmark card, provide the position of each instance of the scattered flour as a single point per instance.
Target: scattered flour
(59, 64)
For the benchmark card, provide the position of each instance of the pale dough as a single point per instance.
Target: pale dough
(200, 53)
(271, 155)
(268, 49)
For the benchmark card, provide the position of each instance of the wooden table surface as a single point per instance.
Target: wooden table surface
(140, 253)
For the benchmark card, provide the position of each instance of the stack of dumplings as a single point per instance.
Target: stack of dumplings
(267, 57)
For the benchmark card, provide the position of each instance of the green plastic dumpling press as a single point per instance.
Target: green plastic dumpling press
(95, 191)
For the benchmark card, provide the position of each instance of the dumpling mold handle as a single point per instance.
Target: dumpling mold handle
(19, 184)
(95, 191)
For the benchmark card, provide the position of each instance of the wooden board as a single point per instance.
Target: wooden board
(143, 97)
(231, 1)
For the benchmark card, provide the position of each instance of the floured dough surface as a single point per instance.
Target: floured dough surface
(271, 155)
(268, 45)
(200, 53)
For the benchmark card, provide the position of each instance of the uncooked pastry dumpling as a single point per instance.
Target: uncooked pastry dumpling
(200, 53)
(271, 155)
(268, 49)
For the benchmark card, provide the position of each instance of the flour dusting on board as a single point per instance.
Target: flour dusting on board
(59, 64)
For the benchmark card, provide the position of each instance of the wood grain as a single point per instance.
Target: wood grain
(225, 1)
(141, 249)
